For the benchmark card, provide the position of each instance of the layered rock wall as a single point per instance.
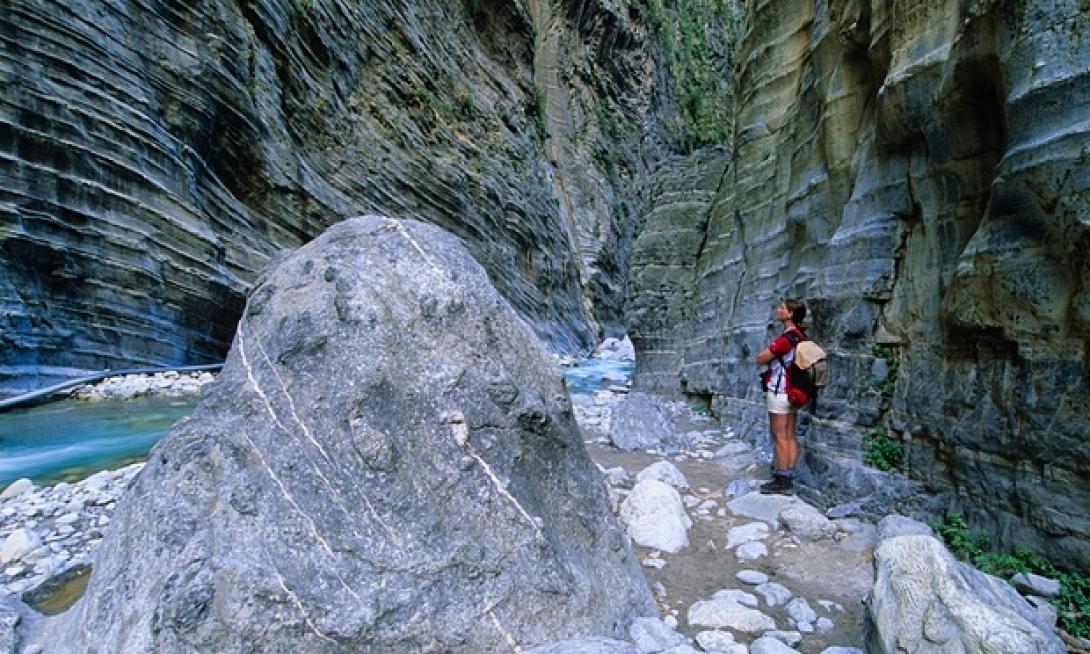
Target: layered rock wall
(153, 157)
(917, 172)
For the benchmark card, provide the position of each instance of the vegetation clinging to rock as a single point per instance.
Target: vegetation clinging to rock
(697, 38)
(1073, 601)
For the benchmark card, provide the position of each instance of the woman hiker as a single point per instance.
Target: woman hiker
(781, 415)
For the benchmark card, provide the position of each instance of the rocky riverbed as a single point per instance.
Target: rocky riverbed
(170, 383)
(802, 593)
(731, 570)
(745, 579)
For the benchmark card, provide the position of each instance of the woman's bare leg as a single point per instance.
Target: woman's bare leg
(784, 448)
(792, 449)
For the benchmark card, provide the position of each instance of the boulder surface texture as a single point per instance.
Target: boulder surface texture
(388, 462)
(923, 600)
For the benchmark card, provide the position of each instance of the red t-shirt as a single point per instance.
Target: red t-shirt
(782, 348)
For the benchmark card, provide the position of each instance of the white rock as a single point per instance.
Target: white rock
(842, 650)
(1028, 583)
(49, 566)
(804, 627)
(735, 595)
(103, 520)
(789, 638)
(725, 614)
(16, 488)
(653, 635)
(665, 472)
(655, 517)
(824, 624)
(658, 564)
(670, 621)
(20, 543)
(690, 501)
(753, 531)
(831, 606)
(751, 551)
(800, 611)
(736, 488)
(766, 645)
(715, 641)
(921, 591)
(736, 447)
(806, 522)
(68, 518)
(1045, 610)
(15, 570)
(752, 577)
(617, 476)
(774, 593)
(762, 507)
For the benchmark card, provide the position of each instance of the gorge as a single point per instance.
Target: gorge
(917, 172)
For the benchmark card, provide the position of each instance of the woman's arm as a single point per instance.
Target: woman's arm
(765, 356)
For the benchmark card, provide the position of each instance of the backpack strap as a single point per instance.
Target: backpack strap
(795, 337)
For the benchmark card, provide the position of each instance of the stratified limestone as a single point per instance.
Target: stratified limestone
(387, 463)
(153, 158)
(917, 173)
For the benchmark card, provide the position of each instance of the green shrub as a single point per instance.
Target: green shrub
(893, 365)
(1072, 603)
(697, 39)
(881, 450)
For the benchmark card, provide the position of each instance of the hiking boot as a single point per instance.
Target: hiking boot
(780, 485)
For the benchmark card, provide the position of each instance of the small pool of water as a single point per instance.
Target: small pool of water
(591, 375)
(69, 440)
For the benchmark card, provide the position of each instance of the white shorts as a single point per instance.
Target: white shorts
(777, 403)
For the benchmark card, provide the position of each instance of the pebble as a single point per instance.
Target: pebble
(53, 543)
(789, 638)
(1028, 583)
(715, 641)
(727, 614)
(765, 645)
(16, 488)
(752, 577)
(774, 594)
(735, 595)
(751, 551)
(831, 606)
(753, 531)
(800, 611)
(824, 624)
(67, 519)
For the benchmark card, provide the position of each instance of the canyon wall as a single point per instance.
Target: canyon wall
(918, 174)
(155, 156)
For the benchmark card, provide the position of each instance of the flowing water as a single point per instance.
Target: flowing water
(592, 375)
(70, 439)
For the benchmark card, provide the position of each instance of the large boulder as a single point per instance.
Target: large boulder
(923, 600)
(642, 422)
(388, 462)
